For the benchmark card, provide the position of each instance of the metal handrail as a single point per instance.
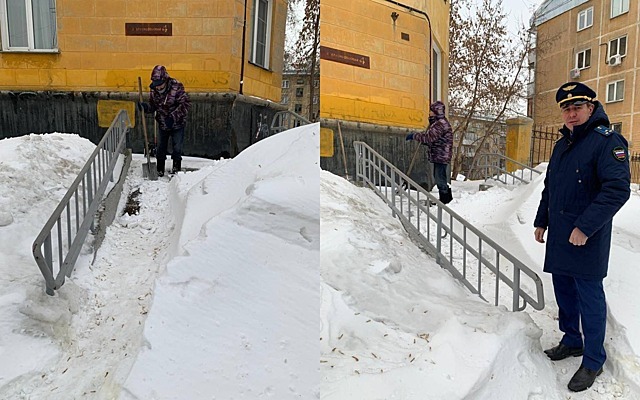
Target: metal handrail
(465, 244)
(283, 120)
(64, 233)
(493, 166)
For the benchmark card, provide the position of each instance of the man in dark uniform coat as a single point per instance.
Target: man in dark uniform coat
(587, 182)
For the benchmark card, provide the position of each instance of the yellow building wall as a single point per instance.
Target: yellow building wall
(395, 90)
(204, 51)
(557, 44)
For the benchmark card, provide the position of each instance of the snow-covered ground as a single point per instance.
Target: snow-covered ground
(219, 287)
(397, 326)
(210, 291)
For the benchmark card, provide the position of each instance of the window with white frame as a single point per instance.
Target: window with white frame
(618, 46)
(285, 84)
(28, 25)
(615, 91)
(315, 99)
(619, 7)
(617, 126)
(261, 39)
(436, 74)
(285, 99)
(583, 59)
(585, 18)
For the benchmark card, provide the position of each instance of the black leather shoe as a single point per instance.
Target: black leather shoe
(583, 379)
(560, 352)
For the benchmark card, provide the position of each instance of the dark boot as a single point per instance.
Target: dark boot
(160, 167)
(176, 166)
(560, 352)
(583, 379)
(449, 196)
(446, 197)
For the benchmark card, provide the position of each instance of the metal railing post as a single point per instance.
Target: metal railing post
(378, 172)
(90, 184)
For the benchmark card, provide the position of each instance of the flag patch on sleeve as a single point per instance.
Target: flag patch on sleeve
(619, 153)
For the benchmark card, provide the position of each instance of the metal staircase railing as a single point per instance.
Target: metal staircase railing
(283, 120)
(58, 245)
(467, 253)
(493, 166)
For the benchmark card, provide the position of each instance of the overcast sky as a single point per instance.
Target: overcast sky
(519, 12)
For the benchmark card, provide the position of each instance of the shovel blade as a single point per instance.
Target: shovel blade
(149, 171)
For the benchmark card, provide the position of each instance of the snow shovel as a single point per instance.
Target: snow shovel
(154, 148)
(149, 170)
(405, 184)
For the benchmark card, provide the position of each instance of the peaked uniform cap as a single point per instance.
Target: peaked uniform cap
(574, 93)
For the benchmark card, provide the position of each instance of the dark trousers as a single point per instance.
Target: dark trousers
(440, 176)
(582, 301)
(177, 140)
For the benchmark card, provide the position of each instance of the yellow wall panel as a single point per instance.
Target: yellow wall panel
(117, 26)
(369, 77)
(95, 61)
(230, 8)
(109, 109)
(28, 77)
(200, 9)
(201, 44)
(224, 45)
(66, 60)
(217, 26)
(111, 43)
(174, 8)
(124, 79)
(172, 45)
(143, 9)
(398, 82)
(77, 8)
(111, 8)
(70, 26)
(187, 63)
(79, 43)
(329, 69)
(336, 107)
(95, 53)
(326, 142)
(141, 44)
(395, 90)
(187, 26)
(7, 77)
(205, 79)
(82, 78)
(95, 26)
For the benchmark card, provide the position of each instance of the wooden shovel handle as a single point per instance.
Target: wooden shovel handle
(144, 120)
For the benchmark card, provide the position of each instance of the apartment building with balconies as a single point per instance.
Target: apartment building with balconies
(593, 42)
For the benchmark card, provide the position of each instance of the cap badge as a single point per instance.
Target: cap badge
(569, 88)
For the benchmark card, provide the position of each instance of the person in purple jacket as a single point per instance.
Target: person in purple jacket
(439, 138)
(171, 104)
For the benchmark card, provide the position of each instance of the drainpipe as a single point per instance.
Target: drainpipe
(430, 40)
(244, 37)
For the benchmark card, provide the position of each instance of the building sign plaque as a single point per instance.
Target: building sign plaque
(148, 29)
(358, 60)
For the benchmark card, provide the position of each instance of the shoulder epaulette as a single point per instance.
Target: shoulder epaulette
(604, 131)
